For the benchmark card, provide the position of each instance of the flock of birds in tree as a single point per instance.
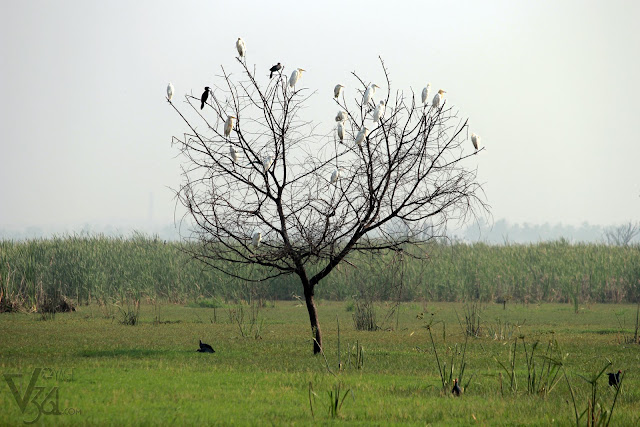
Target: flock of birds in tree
(341, 117)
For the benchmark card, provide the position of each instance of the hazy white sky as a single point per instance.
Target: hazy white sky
(551, 86)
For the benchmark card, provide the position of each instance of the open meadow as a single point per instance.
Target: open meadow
(98, 370)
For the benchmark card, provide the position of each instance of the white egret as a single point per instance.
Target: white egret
(341, 116)
(425, 93)
(242, 48)
(233, 153)
(379, 112)
(335, 175)
(266, 163)
(255, 240)
(362, 135)
(368, 94)
(438, 98)
(341, 131)
(337, 90)
(228, 125)
(295, 76)
(475, 139)
(170, 91)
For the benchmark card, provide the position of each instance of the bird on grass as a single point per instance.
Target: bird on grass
(170, 91)
(275, 69)
(456, 390)
(614, 379)
(205, 348)
(204, 97)
(475, 139)
(242, 48)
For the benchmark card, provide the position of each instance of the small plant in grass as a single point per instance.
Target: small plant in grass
(364, 317)
(595, 412)
(472, 320)
(503, 330)
(335, 399)
(129, 308)
(458, 357)
(249, 325)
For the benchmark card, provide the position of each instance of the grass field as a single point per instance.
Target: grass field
(110, 373)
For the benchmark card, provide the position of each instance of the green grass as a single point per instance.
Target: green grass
(151, 374)
(90, 268)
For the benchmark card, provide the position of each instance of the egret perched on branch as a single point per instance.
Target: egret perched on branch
(228, 125)
(475, 139)
(341, 131)
(368, 94)
(362, 135)
(337, 90)
(233, 153)
(242, 48)
(335, 175)
(377, 115)
(341, 116)
(170, 91)
(295, 76)
(438, 98)
(204, 97)
(255, 240)
(266, 163)
(425, 93)
(275, 69)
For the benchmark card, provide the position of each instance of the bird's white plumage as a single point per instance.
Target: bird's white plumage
(341, 131)
(255, 240)
(379, 112)
(368, 94)
(362, 135)
(266, 163)
(425, 93)
(337, 90)
(170, 91)
(228, 126)
(295, 76)
(335, 175)
(242, 48)
(341, 116)
(438, 98)
(475, 139)
(233, 153)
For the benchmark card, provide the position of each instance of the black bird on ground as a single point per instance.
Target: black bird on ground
(205, 348)
(614, 379)
(275, 68)
(456, 390)
(204, 97)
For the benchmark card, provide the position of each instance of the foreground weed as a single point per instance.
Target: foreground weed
(335, 399)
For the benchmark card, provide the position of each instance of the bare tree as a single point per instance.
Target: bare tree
(275, 211)
(622, 235)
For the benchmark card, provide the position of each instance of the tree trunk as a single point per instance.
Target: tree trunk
(313, 318)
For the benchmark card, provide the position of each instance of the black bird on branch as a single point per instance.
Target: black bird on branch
(274, 69)
(456, 390)
(614, 379)
(204, 97)
(205, 348)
